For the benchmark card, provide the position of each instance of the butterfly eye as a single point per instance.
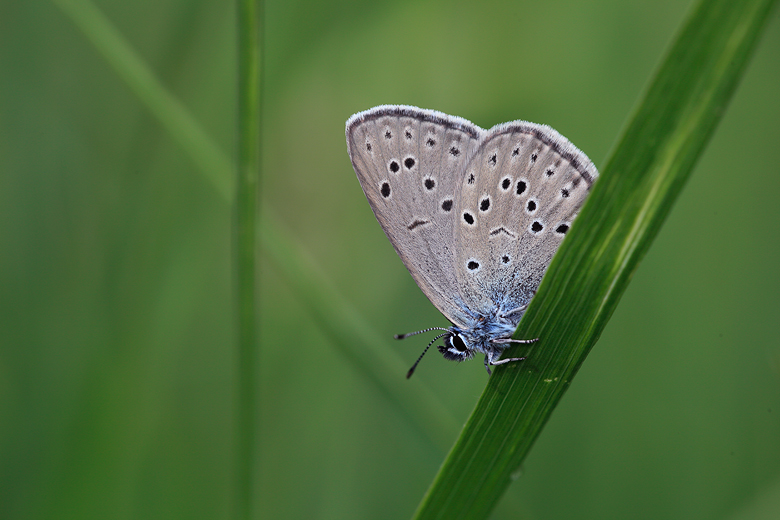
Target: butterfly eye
(455, 348)
(458, 343)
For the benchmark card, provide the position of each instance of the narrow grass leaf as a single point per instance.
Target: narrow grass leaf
(250, 24)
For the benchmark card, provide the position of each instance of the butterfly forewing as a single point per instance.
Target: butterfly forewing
(409, 163)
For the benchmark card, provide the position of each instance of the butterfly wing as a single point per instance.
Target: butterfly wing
(520, 192)
(409, 163)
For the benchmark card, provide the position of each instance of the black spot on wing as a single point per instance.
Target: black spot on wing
(416, 224)
(503, 230)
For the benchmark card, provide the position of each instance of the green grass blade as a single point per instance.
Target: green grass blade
(639, 183)
(250, 24)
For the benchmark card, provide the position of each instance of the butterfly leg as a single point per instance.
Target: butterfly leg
(515, 310)
(510, 340)
(499, 362)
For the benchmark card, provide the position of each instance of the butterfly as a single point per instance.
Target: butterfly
(475, 215)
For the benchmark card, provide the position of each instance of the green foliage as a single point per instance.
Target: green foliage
(118, 354)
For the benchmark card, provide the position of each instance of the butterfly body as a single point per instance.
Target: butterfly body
(478, 337)
(475, 215)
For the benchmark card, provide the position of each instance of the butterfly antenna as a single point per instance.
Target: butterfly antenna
(411, 370)
(402, 336)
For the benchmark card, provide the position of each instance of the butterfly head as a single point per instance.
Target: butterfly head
(484, 335)
(455, 347)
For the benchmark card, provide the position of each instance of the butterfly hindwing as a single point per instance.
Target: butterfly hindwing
(520, 192)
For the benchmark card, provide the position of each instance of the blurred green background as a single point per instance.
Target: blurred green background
(117, 355)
